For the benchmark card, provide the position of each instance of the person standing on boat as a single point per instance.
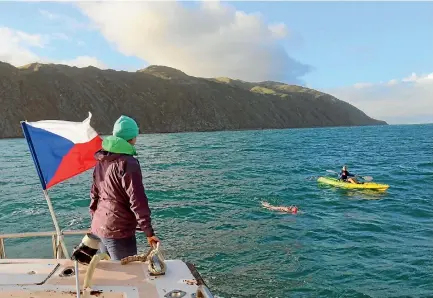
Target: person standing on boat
(118, 200)
(346, 176)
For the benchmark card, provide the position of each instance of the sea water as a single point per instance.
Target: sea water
(205, 192)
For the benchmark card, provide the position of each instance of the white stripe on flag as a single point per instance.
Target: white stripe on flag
(76, 132)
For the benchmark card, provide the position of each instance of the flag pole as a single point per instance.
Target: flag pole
(60, 239)
(59, 233)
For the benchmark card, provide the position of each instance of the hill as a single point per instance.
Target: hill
(162, 99)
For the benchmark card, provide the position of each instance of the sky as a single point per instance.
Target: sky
(377, 56)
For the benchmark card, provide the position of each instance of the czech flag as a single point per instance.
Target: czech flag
(61, 149)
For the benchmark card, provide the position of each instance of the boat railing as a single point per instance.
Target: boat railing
(57, 251)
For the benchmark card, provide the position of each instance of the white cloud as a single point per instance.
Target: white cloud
(48, 14)
(409, 100)
(412, 78)
(61, 36)
(16, 48)
(69, 23)
(278, 30)
(393, 82)
(211, 40)
(35, 40)
(362, 85)
(83, 61)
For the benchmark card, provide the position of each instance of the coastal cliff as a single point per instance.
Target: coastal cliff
(162, 99)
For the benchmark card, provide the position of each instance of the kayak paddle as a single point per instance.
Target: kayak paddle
(366, 178)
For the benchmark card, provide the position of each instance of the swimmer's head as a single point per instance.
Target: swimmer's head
(291, 209)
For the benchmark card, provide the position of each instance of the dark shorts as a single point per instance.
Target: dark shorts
(118, 249)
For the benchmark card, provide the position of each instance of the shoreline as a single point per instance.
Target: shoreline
(242, 130)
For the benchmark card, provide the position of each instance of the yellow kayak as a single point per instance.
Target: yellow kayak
(342, 184)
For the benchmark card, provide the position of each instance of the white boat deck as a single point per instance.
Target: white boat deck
(40, 278)
(37, 278)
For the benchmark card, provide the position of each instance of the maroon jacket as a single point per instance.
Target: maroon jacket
(118, 201)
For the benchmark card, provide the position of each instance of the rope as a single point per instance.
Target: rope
(154, 257)
(92, 266)
(156, 264)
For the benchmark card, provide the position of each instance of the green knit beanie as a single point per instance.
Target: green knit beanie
(125, 128)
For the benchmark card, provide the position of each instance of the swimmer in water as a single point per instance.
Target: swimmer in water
(290, 209)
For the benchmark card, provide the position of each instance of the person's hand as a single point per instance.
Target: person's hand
(153, 240)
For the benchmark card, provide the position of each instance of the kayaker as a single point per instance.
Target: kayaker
(346, 176)
(118, 200)
(290, 209)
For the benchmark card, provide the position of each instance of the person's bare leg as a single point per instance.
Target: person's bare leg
(353, 180)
